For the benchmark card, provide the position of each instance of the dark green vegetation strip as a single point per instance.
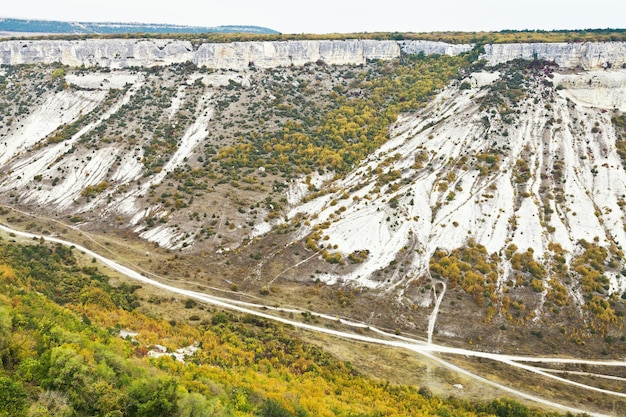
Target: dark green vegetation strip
(506, 36)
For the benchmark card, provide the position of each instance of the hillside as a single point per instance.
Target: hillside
(472, 197)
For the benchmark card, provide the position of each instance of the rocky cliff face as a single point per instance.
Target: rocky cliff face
(122, 53)
(587, 55)
(112, 53)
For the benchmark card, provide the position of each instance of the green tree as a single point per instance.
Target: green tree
(272, 408)
(508, 408)
(12, 398)
(197, 405)
(153, 397)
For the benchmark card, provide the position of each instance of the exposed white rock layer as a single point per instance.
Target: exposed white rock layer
(56, 159)
(57, 109)
(601, 88)
(586, 55)
(121, 53)
(113, 53)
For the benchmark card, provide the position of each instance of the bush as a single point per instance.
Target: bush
(12, 397)
(507, 408)
(272, 408)
(425, 392)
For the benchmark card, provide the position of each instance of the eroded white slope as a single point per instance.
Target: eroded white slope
(102, 80)
(168, 236)
(63, 176)
(574, 190)
(57, 109)
(75, 171)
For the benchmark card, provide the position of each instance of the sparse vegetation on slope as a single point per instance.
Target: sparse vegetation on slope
(356, 121)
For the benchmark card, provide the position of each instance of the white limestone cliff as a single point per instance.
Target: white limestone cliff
(112, 53)
(122, 53)
(587, 55)
(430, 48)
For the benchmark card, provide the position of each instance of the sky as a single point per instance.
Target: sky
(336, 16)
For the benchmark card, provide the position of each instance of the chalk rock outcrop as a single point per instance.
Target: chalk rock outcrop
(431, 48)
(122, 53)
(605, 89)
(112, 53)
(274, 54)
(586, 55)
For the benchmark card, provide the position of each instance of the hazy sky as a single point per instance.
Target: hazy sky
(326, 16)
